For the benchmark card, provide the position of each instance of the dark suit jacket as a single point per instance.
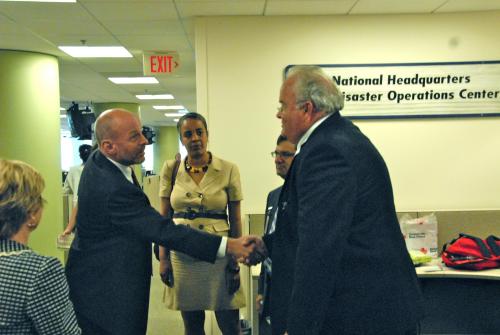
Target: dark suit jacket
(109, 264)
(340, 265)
(264, 277)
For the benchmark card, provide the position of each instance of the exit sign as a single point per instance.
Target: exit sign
(160, 62)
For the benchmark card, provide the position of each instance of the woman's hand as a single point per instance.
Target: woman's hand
(259, 302)
(166, 273)
(67, 231)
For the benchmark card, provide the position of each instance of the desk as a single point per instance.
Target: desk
(446, 272)
(460, 302)
(457, 301)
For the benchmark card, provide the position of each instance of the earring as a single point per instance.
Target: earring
(32, 224)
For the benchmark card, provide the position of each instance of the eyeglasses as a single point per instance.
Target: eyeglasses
(284, 154)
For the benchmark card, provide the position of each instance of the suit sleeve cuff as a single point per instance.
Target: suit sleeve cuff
(221, 253)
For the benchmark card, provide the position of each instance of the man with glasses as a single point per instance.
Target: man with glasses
(283, 157)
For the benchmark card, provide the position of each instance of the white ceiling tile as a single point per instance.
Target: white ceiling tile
(76, 39)
(27, 11)
(75, 92)
(26, 42)
(129, 1)
(94, 85)
(208, 1)
(189, 25)
(7, 26)
(70, 67)
(106, 11)
(54, 27)
(84, 88)
(469, 5)
(304, 7)
(145, 27)
(164, 42)
(207, 8)
(186, 83)
(395, 6)
(113, 64)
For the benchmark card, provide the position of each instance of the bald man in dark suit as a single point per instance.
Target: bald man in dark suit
(109, 264)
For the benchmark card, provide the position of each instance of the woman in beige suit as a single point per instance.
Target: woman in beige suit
(206, 196)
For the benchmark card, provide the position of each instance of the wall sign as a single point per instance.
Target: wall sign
(418, 90)
(157, 63)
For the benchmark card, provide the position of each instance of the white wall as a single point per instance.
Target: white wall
(440, 164)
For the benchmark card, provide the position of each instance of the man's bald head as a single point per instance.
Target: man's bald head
(119, 135)
(107, 126)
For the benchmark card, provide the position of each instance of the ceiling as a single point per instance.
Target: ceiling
(159, 25)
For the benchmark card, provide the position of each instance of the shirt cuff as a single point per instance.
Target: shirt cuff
(221, 253)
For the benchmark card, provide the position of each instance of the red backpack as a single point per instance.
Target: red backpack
(472, 253)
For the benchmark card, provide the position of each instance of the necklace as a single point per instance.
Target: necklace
(203, 169)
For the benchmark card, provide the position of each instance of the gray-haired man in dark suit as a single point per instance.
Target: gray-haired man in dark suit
(340, 264)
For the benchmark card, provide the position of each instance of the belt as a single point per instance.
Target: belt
(194, 215)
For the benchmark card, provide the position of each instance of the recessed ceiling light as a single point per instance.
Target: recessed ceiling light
(174, 114)
(41, 0)
(134, 80)
(96, 52)
(62, 116)
(154, 96)
(176, 120)
(168, 107)
(62, 108)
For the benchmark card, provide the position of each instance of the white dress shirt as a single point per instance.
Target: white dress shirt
(309, 131)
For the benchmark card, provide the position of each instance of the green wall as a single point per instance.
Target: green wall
(30, 131)
(100, 107)
(166, 146)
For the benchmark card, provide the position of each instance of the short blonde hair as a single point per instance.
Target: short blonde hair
(21, 188)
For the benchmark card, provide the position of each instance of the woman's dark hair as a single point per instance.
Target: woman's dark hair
(85, 151)
(194, 116)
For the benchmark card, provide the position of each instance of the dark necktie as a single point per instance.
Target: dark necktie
(134, 178)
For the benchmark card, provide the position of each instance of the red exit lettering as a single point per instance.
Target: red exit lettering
(161, 64)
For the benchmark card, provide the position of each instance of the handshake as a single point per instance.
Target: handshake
(249, 249)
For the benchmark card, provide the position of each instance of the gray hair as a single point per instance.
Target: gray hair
(311, 83)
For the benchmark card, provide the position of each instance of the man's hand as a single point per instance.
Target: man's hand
(260, 253)
(248, 249)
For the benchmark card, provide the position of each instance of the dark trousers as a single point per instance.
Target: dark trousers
(90, 328)
(264, 327)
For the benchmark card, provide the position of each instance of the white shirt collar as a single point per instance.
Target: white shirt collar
(309, 131)
(126, 170)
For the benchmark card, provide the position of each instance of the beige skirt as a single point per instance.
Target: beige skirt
(199, 285)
